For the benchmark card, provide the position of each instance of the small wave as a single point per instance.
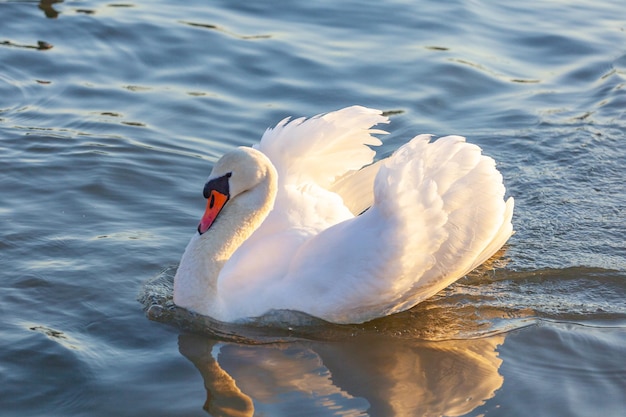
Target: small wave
(484, 303)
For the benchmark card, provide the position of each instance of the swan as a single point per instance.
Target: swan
(306, 221)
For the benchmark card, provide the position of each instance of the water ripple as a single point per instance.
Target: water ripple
(482, 304)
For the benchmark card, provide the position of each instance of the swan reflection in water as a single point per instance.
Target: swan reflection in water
(374, 375)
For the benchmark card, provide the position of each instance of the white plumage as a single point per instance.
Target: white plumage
(290, 235)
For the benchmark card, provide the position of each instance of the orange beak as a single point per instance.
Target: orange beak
(215, 203)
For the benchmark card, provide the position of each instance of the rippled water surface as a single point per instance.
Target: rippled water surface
(112, 113)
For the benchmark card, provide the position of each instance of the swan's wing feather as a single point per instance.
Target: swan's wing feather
(463, 217)
(322, 148)
(356, 188)
(439, 210)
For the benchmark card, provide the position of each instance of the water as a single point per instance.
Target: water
(112, 113)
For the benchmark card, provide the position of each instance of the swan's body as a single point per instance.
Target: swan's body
(290, 235)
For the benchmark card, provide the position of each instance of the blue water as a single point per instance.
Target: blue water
(112, 113)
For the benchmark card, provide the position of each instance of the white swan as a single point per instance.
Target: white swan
(282, 228)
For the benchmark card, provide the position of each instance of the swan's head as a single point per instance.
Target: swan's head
(235, 173)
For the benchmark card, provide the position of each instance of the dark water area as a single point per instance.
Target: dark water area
(112, 114)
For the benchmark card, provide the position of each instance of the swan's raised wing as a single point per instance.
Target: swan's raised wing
(323, 148)
(439, 212)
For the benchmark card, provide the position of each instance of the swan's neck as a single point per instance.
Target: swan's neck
(196, 281)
